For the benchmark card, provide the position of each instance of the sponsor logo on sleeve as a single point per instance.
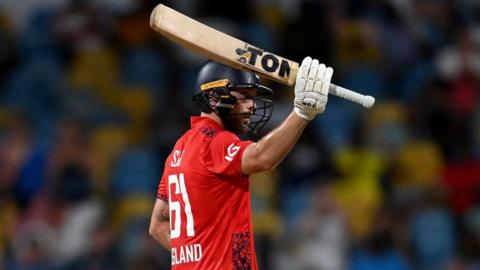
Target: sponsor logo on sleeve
(232, 150)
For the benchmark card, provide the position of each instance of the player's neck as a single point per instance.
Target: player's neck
(213, 116)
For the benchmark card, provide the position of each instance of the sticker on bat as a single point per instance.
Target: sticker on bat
(268, 62)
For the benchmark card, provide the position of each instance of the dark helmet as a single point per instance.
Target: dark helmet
(215, 81)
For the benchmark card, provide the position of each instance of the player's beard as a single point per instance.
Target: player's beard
(239, 122)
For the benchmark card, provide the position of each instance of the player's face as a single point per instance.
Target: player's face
(243, 109)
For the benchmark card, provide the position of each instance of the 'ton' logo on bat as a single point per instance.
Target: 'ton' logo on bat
(268, 62)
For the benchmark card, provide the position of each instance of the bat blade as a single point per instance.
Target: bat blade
(221, 47)
(233, 52)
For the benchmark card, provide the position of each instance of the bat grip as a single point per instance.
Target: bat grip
(365, 101)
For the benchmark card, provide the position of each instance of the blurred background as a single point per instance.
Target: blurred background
(92, 101)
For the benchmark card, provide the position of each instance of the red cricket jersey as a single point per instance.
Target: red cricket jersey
(209, 200)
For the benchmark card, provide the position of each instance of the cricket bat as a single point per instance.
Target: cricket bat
(233, 52)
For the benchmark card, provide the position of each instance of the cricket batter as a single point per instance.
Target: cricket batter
(202, 212)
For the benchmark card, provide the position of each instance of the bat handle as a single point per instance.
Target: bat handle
(365, 101)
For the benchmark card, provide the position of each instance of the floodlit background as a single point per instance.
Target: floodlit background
(92, 100)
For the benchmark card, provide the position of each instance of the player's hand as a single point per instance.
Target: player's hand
(311, 88)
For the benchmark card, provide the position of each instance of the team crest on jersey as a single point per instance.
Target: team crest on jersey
(232, 150)
(177, 158)
(208, 131)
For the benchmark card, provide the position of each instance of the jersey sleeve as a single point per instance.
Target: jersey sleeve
(162, 193)
(223, 155)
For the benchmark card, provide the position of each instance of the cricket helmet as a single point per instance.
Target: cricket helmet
(215, 82)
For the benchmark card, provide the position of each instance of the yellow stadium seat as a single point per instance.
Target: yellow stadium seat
(106, 144)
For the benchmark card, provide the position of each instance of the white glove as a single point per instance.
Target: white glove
(311, 88)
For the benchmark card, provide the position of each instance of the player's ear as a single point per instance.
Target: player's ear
(213, 99)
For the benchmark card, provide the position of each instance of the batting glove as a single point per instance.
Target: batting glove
(311, 88)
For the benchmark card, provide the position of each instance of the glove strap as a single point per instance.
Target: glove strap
(303, 114)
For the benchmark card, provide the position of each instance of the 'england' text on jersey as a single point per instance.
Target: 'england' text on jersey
(186, 254)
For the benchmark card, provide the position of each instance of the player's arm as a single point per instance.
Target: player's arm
(311, 92)
(267, 153)
(160, 223)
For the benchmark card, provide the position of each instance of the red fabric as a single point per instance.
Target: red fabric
(462, 181)
(207, 159)
(464, 94)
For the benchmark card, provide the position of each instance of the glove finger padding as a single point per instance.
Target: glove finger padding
(312, 73)
(319, 79)
(327, 77)
(303, 71)
(311, 88)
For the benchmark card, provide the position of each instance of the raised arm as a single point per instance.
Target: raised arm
(311, 93)
(267, 153)
(160, 224)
